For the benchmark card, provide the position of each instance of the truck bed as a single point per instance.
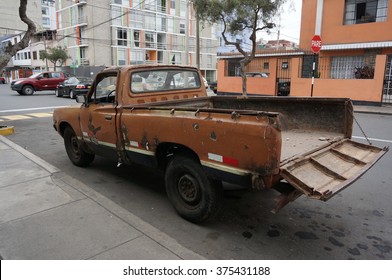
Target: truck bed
(296, 141)
(306, 123)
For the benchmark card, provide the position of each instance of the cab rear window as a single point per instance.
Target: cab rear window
(164, 80)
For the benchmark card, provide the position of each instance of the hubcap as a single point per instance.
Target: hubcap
(189, 189)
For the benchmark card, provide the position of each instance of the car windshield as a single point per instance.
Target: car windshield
(35, 75)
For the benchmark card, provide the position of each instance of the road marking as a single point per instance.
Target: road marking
(41, 115)
(31, 109)
(373, 139)
(25, 117)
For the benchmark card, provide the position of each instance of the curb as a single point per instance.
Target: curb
(62, 180)
(6, 130)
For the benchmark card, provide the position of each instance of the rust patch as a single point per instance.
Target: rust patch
(213, 136)
(92, 134)
(196, 126)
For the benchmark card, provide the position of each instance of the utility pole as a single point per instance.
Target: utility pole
(197, 41)
(186, 60)
(46, 60)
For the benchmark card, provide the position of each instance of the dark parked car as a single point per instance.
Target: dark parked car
(74, 86)
(214, 86)
(284, 88)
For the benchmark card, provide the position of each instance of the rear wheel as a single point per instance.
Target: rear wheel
(194, 196)
(28, 90)
(58, 94)
(75, 151)
(71, 94)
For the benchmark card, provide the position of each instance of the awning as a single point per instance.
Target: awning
(371, 45)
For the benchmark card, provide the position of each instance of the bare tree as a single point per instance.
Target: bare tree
(10, 50)
(237, 17)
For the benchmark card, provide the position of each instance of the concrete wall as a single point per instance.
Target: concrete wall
(368, 90)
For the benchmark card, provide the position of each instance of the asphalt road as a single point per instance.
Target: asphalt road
(355, 224)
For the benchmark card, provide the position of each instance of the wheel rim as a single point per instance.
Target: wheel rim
(71, 94)
(74, 145)
(189, 189)
(28, 90)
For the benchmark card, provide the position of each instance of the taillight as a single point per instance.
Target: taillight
(80, 86)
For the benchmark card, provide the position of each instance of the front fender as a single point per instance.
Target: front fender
(69, 116)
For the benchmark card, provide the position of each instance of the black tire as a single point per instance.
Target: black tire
(193, 195)
(28, 90)
(58, 94)
(75, 151)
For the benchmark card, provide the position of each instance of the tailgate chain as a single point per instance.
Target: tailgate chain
(363, 132)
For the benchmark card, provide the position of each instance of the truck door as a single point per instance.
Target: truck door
(98, 116)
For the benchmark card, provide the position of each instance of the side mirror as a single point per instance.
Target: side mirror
(81, 98)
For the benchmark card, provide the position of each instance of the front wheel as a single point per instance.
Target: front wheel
(75, 151)
(28, 90)
(194, 196)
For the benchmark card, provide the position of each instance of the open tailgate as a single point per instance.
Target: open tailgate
(323, 173)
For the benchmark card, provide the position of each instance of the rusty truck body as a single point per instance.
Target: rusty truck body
(161, 116)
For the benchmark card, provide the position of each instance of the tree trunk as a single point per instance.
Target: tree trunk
(244, 79)
(243, 63)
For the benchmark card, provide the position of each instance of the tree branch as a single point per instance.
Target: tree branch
(11, 50)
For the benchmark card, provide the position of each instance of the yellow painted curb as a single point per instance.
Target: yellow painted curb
(6, 130)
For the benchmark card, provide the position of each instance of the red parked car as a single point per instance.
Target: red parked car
(38, 82)
(2, 80)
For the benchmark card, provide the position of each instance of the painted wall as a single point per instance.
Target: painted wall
(369, 90)
(264, 86)
(333, 29)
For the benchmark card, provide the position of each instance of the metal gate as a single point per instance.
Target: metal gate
(387, 90)
(283, 82)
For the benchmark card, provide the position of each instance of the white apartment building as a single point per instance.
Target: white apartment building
(120, 32)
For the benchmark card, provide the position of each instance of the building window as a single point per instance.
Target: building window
(344, 67)
(46, 21)
(266, 65)
(121, 57)
(365, 11)
(182, 28)
(136, 38)
(35, 55)
(150, 40)
(122, 37)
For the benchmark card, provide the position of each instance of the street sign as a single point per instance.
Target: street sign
(316, 44)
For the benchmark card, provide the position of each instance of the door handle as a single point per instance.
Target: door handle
(108, 117)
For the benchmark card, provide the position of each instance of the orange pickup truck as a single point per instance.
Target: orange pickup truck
(161, 116)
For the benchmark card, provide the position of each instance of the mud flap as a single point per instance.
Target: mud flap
(323, 173)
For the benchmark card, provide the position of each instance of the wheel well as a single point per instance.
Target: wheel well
(28, 85)
(63, 126)
(166, 151)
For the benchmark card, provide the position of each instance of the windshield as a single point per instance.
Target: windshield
(35, 75)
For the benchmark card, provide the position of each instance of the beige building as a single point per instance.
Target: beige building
(10, 23)
(120, 32)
